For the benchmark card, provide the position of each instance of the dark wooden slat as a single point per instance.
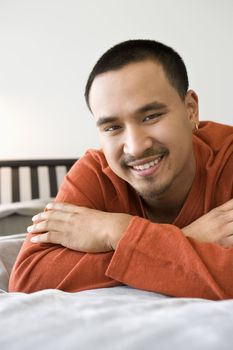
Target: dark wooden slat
(53, 181)
(15, 184)
(37, 162)
(34, 182)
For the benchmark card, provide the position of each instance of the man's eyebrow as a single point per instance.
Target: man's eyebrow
(151, 106)
(105, 120)
(148, 107)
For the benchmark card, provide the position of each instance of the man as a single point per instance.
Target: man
(152, 209)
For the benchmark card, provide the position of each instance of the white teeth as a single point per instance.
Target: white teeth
(147, 165)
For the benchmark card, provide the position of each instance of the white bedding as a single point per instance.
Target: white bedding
(107, 319)
(113, 318)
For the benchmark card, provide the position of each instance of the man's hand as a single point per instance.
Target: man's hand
(214, 227)
(79, 228)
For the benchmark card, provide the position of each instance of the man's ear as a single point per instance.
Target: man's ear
(191, 103)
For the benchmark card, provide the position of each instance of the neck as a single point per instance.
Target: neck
(162, 213)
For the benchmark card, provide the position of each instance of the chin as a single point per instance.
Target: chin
(153, 191)
(151, 194)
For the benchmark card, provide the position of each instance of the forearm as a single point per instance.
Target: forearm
(149, 256)
(160, 258)
(53, 266)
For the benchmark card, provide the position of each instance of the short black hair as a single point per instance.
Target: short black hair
(139, 50)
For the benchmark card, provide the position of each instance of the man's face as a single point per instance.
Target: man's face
(145, 128)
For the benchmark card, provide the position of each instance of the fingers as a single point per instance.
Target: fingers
(70, 208)
(40, 238)
(47, 237)
(52, 215)
(57, 208)
(51, 221)
(57, 218)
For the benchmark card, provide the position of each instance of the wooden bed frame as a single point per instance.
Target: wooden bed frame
(33, 166)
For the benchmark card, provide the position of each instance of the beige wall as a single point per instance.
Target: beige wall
(49, 46)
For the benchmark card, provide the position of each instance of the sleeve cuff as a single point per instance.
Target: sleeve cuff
(125, 248)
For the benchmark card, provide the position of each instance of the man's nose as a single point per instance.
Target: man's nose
(136, 141)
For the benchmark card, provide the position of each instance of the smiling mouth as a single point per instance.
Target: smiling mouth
(147, 168)
(147, 165)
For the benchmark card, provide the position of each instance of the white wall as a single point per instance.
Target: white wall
(48, 48)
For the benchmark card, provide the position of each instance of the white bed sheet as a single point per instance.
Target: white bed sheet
(113, 318)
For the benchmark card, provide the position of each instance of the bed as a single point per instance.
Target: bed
(108, 318)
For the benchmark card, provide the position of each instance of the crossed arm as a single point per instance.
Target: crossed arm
(68, 225)
(196, 261)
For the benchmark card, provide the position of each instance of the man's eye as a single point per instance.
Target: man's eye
(112, 128)
(152, 116)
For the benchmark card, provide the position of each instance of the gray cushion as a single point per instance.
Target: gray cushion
(9, 249)
(16, 217)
